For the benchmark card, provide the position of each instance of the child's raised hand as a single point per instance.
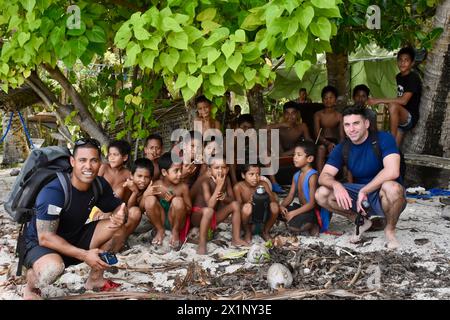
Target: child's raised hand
(130, 185)
(153, 190)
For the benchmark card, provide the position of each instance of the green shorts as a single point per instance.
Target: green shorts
(166, 206)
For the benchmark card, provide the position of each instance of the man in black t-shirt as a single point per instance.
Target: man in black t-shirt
(403, 110)
(56, 238)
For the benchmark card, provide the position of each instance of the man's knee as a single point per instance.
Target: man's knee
(322, 195)
(48, 271)
(392, 190)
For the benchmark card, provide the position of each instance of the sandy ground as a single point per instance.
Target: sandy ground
(422, 232)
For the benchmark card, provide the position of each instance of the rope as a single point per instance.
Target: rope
(7, 128)
(26, 130)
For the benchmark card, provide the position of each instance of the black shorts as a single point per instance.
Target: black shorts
(300, 220)
(83, 240)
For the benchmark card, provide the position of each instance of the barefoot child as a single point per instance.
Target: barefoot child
(302, 218)
(168, 207)
(214, 202)
(115, 171)
(244, 192)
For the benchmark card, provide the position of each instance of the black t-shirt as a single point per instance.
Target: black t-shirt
(49, 204)
(410, 83)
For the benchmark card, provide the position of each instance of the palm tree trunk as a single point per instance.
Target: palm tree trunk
(338, 73)
(432, 133)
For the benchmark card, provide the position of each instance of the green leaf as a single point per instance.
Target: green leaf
(181, 80)
(36, 42)
(77, 31)
(291, 5)
(234, 61)
(321, 28)
(170, 24)
(217, 35)
(249, 74)
(4, 68)
(152, 43)
(216, 80)
(14, 22)
(46, 26)
(181, 18)
(265, 71)
(221, 66)
(251, 22)
(187, 93)
(194, 83)
(148, 58)
(238, 77)
(206, 15)
(87, 56)
(136, 100)
(188, 56)
(63, 49)
(70, 60)
(304, 16)
(209, 26)
(140, 33)
(301, 67)
(239, 35)
(78, 45)
(213, 54)
(228, 48)
(292, 28)
(133, 49)
(28, 4)
(217, 91)
(23, 37)
(178, 40)
(192, 33)
(123, 36)
(194, 66)
(209, 69)
(278, 25)
(57, 36)
(324, 3)
(169, 60)
(97, 35)
(297, 43)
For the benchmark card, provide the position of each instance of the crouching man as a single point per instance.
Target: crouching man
(373, 160)
(56, 238)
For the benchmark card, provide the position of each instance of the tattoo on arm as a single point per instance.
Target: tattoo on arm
(43, 226)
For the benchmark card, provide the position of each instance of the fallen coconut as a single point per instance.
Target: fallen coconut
(258, 253)
(279, 276)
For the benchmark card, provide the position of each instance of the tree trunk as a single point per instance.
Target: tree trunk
(85, 120)
(432, 133)
(15, 147)
(338, 73)
(256, 104)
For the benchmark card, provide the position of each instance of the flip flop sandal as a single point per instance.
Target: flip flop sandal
(107, 286)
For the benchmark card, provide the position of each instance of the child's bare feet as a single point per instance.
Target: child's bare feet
(266, 236)
(158, 239)
(392, 242)
(248, 237)
(201, 249)
(175, 240)
(240, 243)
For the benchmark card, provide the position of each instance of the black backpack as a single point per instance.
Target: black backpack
(42, 166)
(376, 149)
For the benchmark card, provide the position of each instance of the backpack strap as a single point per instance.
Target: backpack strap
(375, 145)
(64, 179)
(345, 151)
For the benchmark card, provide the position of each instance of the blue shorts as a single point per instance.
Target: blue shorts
(408, 125)
(374, 199)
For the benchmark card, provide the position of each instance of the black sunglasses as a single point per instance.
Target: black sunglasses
(85, 141)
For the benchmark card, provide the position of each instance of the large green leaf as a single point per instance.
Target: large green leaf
(207, 14)
(140, 33)
(152, 43)
(170, 59)
(57, 36)
(178, 40)
(123, 36)
(133, 49)
(301, 67)
(292, 28)
(148, 58)
(28, 4)
(321, 28)
(46, 26)
(324, 3)
(181, 80)
(234, 61)
(216, 80)
(170, 24)
(228, 48)
(187, 93)
(239, 35)
(213, 54)
(23, 37)
(78, 45)
(193, 33)
(63, 49)
(249, 74)
(97, 35)
(304, 15)
(217, 35)
(188, 56)
(194, 83)
(251, 22)
(297, 43)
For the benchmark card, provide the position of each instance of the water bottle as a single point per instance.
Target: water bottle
(359, 221)
(261, 203)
